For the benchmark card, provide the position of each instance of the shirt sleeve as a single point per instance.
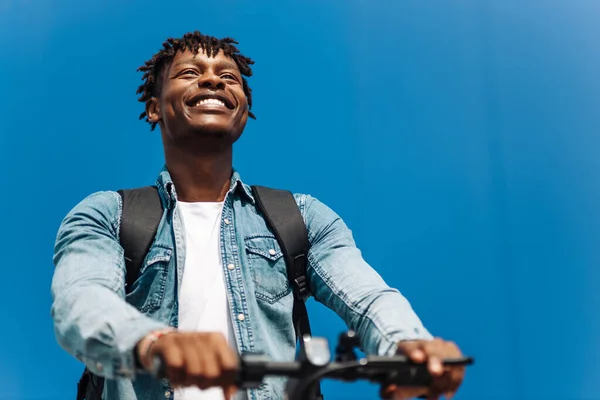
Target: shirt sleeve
(342, 280)
(92, 320)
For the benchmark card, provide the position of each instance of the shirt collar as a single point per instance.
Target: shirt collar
(168, 194)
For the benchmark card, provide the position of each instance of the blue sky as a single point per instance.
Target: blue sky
(457, 140)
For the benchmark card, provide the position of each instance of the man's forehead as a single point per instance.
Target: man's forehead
(188, 55)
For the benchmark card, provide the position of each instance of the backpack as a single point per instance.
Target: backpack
(142, 212)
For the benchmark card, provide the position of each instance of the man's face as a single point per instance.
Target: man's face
(201, 96)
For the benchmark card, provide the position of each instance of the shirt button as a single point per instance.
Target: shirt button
(241, 317)
(272, 252)
(99, 366)
(226, 221)
(231, 267)
(167, 394)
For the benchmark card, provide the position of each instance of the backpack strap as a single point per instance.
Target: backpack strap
(142, 211)
(281, 213)
(90, 386)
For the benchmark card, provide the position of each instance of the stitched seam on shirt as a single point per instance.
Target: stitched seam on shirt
(116, 223)
(119, 282)
(245, 325)
(302, 206)
(259, 236)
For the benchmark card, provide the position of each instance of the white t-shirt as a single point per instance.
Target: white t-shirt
(203, 304)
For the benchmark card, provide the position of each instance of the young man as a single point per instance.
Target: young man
(213, 283)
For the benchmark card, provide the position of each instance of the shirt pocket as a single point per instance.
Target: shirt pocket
(268, 269)
(148, 291)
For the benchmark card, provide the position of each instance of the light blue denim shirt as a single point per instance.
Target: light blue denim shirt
(98, 321)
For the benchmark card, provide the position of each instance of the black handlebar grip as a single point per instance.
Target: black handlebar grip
(412, 376)
(253, 368)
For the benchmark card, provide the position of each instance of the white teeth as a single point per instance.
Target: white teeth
(210, 101)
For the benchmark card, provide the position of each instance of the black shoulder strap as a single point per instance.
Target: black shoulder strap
(90, 386)
(142, 211)
(283, 217)
(281, 212)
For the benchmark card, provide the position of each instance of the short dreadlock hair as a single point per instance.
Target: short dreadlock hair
(194, 41)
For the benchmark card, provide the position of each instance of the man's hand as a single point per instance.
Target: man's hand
(446, 379)
(193, 359)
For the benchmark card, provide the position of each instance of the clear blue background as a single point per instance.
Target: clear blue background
(459, 141)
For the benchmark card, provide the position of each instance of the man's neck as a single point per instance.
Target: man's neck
(200, 178)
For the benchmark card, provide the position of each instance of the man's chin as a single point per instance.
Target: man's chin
(217, 132)
(215, 125)
(211, 124)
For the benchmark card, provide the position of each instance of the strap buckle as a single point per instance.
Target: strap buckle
(301, 289)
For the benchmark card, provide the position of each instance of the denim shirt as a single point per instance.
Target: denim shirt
(99, 322)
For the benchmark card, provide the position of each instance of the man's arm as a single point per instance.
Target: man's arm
(92, 320)
(342, 280)
(384, 320)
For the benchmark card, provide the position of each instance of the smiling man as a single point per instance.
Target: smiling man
(213, 283)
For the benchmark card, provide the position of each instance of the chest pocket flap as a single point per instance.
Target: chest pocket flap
(148, 290)
(268, 268)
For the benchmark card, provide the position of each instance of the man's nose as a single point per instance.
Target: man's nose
(211, 81)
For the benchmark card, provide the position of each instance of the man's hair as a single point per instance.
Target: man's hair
(154, 68)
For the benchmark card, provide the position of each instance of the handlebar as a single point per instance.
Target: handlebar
(314, 363)
(398, 370)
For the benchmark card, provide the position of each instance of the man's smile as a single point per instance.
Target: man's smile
(210, 100)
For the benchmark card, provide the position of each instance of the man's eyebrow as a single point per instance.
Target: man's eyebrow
(219, 64)
(227, 65)
(183, 62)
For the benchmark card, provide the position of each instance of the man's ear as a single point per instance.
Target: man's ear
(153, 110)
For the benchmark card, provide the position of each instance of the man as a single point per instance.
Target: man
(213, 283)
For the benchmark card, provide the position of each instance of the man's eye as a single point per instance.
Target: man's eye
(189, 72)
(229, 76)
